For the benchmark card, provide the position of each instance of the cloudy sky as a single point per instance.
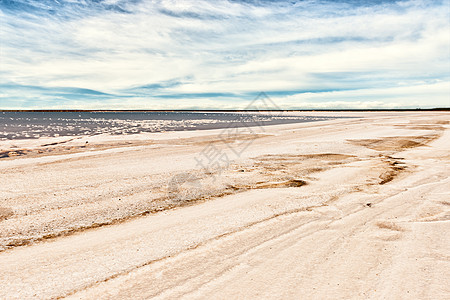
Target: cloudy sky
(145, 54)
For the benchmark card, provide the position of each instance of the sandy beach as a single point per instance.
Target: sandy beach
(349, 208)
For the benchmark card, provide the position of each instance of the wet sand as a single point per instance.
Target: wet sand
(345, 208)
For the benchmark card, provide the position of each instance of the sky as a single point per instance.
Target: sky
(168, 54)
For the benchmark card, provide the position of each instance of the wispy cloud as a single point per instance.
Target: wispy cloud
(219, 54)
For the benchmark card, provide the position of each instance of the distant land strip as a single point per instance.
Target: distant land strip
(222, 110)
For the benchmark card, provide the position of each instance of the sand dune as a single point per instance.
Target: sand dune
(346, 208)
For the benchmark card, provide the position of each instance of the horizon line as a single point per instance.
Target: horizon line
(227, 110)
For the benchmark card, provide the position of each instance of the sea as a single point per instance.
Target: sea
(33, 125)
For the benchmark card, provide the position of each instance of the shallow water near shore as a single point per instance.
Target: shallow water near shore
(32, 125)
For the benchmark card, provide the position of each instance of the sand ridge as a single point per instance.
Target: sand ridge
(347, 206)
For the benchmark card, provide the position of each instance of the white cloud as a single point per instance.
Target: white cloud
(228, 47)
(435, 94)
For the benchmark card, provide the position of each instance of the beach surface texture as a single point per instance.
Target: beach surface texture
(348, 208)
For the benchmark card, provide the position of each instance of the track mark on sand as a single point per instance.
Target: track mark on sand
(195, 246)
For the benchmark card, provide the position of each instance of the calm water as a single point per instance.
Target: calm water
(29, 125)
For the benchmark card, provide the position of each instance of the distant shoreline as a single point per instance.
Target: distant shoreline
(222, 110)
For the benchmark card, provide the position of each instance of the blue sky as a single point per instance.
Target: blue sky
(138, 54)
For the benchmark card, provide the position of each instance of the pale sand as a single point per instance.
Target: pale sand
(348, 208)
